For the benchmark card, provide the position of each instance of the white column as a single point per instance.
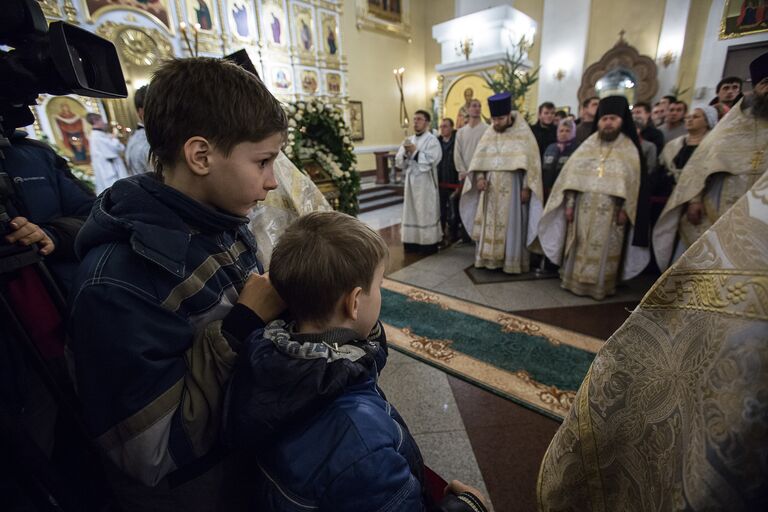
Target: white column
(714, 52)
(671, 41)
(564, 34)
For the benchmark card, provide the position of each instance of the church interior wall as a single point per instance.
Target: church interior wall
(693, 47)
(642, 22)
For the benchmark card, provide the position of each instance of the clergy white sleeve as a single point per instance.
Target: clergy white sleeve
(429, 155)
(400, 158)
(458, 158)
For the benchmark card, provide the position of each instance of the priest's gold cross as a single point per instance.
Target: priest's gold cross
(757, 159)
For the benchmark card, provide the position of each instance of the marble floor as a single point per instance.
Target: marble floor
(465, 432)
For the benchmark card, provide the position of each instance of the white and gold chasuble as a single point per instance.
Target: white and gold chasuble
(673, 413)
(598, 180)
(496, 218)
(729, 160)
(295, 195)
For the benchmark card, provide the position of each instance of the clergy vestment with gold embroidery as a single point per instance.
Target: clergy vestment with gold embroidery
(421, 201)
(673, 413)
(496, 218)
(599, 180)
(726, 164)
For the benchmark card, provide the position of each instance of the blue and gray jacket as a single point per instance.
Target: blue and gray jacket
(318, 433)
(154, 331)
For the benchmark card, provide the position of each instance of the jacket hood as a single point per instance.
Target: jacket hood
(156, 219)
(284, 379)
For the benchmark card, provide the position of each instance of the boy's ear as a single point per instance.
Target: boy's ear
(197, 153)
(352, 303)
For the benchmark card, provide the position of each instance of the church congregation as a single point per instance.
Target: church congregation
(533, 276)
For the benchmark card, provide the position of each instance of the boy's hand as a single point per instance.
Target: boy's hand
(456, 487)
(260, 296)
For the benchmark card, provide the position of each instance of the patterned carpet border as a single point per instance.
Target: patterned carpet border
(516, 384)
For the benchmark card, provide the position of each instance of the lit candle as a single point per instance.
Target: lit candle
(197, 30)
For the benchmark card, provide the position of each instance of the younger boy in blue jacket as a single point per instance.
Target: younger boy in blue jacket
(304, 401)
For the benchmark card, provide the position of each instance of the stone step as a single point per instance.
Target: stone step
(377, 204)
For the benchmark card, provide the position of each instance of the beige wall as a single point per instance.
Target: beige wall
(641, 21)
(371, 57)
(694, 41)
(534, 9)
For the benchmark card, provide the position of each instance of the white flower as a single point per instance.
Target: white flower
(299, 117)
(288, 150)
(328, 107)
(301, 105)
(291, 123)
(346, 139)
(291, 109)
(291, 136)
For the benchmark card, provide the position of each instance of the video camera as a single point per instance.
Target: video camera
(57, 59)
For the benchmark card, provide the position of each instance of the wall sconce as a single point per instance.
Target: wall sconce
(560, 74)
(668, 58)
(464, 47)
(399, 72)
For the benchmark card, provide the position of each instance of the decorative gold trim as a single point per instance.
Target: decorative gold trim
(50, 8)
(426, 298)
(438, 349)
(111, 30)
(71, 11)
(93, 17)
(366, 20)
(514, 324)
(722, 35)
(737, 293)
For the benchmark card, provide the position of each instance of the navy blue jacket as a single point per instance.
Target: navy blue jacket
(319, 432)
(49, 196)
(152, 359)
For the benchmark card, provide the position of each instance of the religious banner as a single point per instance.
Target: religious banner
(202, 13)
(66, 117)
(156, 9)
(329, 34)
(744, 17)
(274, 24)
(303, 24)
(241, 19)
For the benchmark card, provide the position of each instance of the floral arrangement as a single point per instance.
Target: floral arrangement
(318, 132)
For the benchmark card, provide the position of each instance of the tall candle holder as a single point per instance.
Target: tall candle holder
(404, 122)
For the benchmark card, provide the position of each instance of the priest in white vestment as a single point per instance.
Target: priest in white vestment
(732, 157)
(418, 157)
(502, 198)
(592, 225)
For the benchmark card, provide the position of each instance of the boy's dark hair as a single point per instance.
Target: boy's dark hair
(586, 102)
(644, 105)
(684, 104)
(210, 98)
(548, 105)
(426, 114)
(730, 80)
(319, 258)
(140, 96)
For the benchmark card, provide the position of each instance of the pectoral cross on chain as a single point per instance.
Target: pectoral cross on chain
(757, 159)
(601, 168)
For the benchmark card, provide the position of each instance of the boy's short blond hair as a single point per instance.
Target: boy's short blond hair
(319, 258)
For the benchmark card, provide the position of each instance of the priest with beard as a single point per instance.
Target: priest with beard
(595, 224)
(732, 157)
(502, 197)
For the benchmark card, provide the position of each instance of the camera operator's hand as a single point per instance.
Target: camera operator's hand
(26, 233)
